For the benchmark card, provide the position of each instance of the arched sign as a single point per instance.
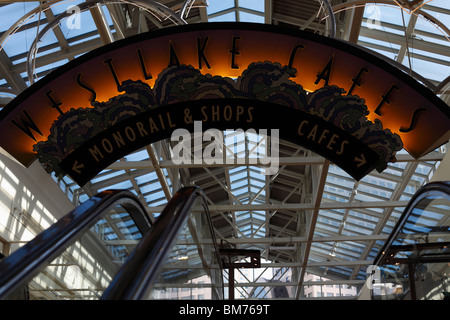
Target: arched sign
(327, 95)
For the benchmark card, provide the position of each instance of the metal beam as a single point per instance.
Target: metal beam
(274, 240)
(14, 80)
(283, 161)
(159, 172)
(118, 19)
(355, 27)
(299, 206)
(312, 224)
(58, 33)
(404, 49)
(400, 40)
(268, 11)
(62, 54)
(101, 24)
(260, 284)
(308, 283)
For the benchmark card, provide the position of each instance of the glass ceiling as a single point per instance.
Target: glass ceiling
(355, 216)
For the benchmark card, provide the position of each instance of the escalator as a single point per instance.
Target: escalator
(109, 248)
(414, 263)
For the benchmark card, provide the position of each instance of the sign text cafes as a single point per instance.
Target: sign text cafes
(402, 104)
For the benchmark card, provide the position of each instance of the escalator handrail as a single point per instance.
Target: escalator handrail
(142, 268)
(29, 260)
(441, 188)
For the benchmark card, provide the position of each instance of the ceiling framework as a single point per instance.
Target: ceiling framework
(309, 217)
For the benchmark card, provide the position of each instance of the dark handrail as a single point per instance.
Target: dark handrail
(141, 269)
(28, 261)
(430, 189)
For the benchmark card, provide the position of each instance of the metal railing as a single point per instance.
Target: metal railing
(18, 268)
(413, 263)
(142, 269)
(439, 188)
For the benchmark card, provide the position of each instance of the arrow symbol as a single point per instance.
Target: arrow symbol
(361, 161)
(76, 167)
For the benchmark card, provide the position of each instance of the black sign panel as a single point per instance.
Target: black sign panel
(294, 125)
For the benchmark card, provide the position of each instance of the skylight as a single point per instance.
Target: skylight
(237, 11)
(385, 28)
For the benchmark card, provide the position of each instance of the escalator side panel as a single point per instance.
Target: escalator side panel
(414, 263)
(142, 269)
(26, 262)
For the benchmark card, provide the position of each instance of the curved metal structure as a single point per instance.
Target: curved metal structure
(142, 268)
(12, 29)
(332, 18)
(18, 268)
(418, 12)
(355, 3)
(414, 262)
(146, 4)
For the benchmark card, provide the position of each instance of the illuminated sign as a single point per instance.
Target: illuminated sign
(156, 124)
(391, 99)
